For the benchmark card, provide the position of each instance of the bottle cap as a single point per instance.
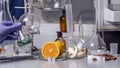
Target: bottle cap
(59, 34)
(63, 11)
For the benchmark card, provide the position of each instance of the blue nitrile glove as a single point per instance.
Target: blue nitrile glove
(9, 31)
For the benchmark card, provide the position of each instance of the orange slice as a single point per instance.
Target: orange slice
(50, 49)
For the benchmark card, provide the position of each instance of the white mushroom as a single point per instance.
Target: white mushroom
(82, 52)
(72, 52)
(76, 52)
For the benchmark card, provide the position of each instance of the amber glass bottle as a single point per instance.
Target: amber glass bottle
(63, 25)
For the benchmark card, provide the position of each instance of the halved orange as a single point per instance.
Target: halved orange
(50, 49)
(61, 46)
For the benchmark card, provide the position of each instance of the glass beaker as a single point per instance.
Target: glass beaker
(114, 49)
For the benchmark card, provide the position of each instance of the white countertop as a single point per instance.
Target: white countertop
(46, 35)
(71, 63)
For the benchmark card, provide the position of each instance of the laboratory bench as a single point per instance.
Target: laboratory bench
(69, 63)
(49, 34)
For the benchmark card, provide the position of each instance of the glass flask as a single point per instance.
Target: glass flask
(29, 29)
(95, 45)
(31, 25)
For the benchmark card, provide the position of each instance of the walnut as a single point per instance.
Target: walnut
(94, 59)
(108, 56)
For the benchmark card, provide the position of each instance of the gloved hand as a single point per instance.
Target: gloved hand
(9, 31)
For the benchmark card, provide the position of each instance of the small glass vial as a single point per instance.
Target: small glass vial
(63, 25)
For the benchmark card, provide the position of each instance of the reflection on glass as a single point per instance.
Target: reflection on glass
(28, 21)
(52, 3)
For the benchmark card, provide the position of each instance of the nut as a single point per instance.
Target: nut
(94, 59)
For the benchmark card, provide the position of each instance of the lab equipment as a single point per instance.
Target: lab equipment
(95, 45)
(114, 49)
(80, 28)
(29, 20)
(23, 39)
(107, 20)
(69, 20)
(63, 27)
(4, 20)
(30, 27)
(5, 23)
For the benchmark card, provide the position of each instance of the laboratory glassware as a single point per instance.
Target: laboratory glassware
(114, 49)
(63, 27)
(31, 24)
(95, 44)
(93, 41)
